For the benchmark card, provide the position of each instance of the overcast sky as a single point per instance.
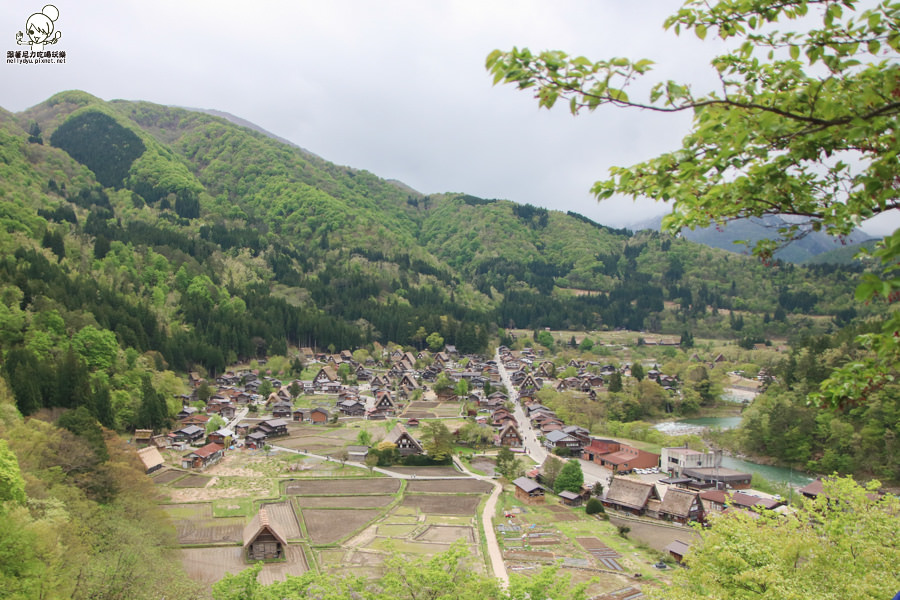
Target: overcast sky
(397, 88)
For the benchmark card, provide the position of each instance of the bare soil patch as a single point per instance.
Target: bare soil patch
(167, 476)
(473, 486)
(656, 536)
(486, 465)
(321, 487)
(423, 405)
(192, 481)
(561, 513)
(447, 471)
(210, 531)
(444, 504)
(328, 526)
(530, 556)
(418, 414)
(294, 564)
(343, 501)
(449, 533)
(209, 565)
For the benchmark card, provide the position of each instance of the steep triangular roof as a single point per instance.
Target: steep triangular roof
(399, 433)
(151, 457)
(260, 523)
(678, 502)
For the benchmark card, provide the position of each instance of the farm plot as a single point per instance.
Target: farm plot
(462, 486)
(604, 555)
(418, 414)
(408, 547)
(209, 565)
(315, 444)
(420, 405)
(561, 513)
(294, 564)
(447, 471)
(322, 487)
(446, 533)
(328, 526)
(443, 504)
(192, 481)
(195, 524)
(448, 409)
(167, 476)
(343, 501)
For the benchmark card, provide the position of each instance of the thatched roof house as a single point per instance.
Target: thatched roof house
(406, 444)
(681, 505)
(263, 538)
(629, 495)
(151, 458)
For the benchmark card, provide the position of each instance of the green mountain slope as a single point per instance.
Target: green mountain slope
(187, 235)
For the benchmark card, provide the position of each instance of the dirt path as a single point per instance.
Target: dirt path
(487, 522)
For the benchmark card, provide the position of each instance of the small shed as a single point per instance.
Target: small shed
(529, 491)
(319, 415)
(357, 453)
(570, 498)
(263, 539)
(678, 549)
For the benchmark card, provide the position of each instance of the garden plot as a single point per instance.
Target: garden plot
(195, 525)
(403, 546)
(442, 504)
(314, 444)
(604, 555)
(192, 481)
(418, 414)
(447, 471)
(322, 487)
(343, 501)
(460, 487)
(329, 526)
(488, 466)
(209, 565)
(561, 513)
(421, 405)
(294, 564)
(167, 476)
(446, 533)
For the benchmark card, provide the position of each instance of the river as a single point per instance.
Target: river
(782, 475)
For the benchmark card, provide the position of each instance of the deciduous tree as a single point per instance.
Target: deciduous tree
(803, 123)
(840, 545)
(570, 478)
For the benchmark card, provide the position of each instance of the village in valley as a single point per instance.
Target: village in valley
(396, 451)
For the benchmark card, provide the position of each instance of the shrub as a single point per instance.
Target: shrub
(594, 507)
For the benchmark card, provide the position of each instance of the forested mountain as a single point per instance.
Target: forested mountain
(193, 242)
(730, 236)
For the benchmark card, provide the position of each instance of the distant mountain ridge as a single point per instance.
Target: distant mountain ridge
(729, 237)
